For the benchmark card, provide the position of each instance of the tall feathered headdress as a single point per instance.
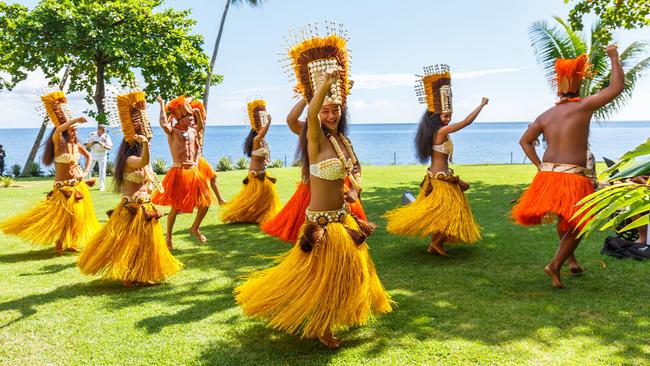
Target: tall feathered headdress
(309, 55)
(56, 107)
(570, 72)
(256, 111)
(434, 89)
(128, 108)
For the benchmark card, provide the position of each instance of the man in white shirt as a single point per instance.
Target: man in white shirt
(99, 144)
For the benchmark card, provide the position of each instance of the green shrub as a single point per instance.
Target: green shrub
(242, 163)
(159, 166)
(15, 170)
(277, 163)
(51, 172)
(297, 162)
(110, 167)
(34, 169)
(224, 164)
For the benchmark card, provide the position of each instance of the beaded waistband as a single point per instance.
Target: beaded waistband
(441, 174)
(184, 165)
(565, 168)
(137, 198)
(326, 217)
(66, 183)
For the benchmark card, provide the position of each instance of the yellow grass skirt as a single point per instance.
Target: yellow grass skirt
(257, 202)
(333, 286)
(66, 215)
(130, 247)
(445, 211)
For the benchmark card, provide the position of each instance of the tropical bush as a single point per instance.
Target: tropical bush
(34, 169)
(6, 181)
(297, 162)
(624, 201)
(16, 170)
(553, 41)
(224, 164)
(51, 172)
(277, 163)
(242, 163)
(159, 166)
(110, 167)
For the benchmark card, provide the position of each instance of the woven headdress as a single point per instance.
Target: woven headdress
(570, 72)
(434, 89)
(309, 55)
(132, 109)
(56, 107)
(178, 107)
(256, 110)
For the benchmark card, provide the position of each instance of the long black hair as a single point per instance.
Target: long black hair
(126, 150)
(342, 127)
(48, 150)
(430, 123)
(248, 143)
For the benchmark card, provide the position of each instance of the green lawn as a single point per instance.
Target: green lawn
(488, 304)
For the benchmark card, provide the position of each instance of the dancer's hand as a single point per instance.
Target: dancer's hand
(484, 101)
(140, 139)
(332, 75)
(612, 51)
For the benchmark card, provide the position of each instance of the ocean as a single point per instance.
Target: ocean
(375, 144)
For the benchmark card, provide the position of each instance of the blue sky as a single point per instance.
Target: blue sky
(485, 42)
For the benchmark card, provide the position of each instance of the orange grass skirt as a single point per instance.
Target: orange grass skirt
(552, 193)
(287, 223)
(206, 169)
(184, 189)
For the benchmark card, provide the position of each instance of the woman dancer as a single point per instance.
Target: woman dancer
(66, 216)
(441, 209)
(131, 246)
(258, 200)
(287, 223)
(327, 281)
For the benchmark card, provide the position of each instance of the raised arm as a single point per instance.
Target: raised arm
(263, 131)
(616, 83)
(56, 137)
(527, 143)
(446, 130)
(164, 121)
(198, 118)
(296, 125)
(314, 131)
(142, 161)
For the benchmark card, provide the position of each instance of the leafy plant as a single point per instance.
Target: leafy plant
(15, 170)
(110, 167)
(553, 41)
(224, 164)
(242, 163)
(159, 166)
(614, 14)
(6, 181)
(51, 172)
(276, 164)
(34, 169)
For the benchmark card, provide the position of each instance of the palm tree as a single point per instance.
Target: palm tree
(554, 41)
(208, 81)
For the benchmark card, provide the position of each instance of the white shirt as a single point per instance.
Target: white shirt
(96, 148)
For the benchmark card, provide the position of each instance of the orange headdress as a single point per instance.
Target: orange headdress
(257, 114)
(570, 72)
(310, 55)
(178, 107)
(197, 104)
(56, 107)
(434, 89)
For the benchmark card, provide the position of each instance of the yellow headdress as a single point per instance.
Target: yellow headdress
(132, 109)
(256, 113)
(310, 55)
(56, 106)
(434, 89)
(570, 72)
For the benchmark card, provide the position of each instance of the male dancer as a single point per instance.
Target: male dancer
(184, 186)
(562, 178)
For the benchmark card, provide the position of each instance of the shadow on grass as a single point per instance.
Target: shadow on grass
(50, 269)
(32, 255)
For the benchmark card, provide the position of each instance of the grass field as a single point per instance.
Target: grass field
(488, 304)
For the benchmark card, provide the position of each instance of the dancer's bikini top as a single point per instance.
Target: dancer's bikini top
(328, 169)
(69, 157)
(262, 152)
(446, 147)
(140, 176)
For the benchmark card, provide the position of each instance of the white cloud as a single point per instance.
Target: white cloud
(368, 81)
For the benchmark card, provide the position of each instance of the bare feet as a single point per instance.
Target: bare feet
(555, 276)
(58, 248)
(170, 245)
(197, 234)
(128, 284)
(574, 266)
(437, 248)
(72, 250)
(330, 341)
(222, 202)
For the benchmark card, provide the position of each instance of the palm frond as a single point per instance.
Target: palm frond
(637, 168)
(577, 41)
(549, 43)
(252, 3)
(639, 151)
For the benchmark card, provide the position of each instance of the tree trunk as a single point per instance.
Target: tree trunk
(100, 88)
(41, 132)
(208, 81)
